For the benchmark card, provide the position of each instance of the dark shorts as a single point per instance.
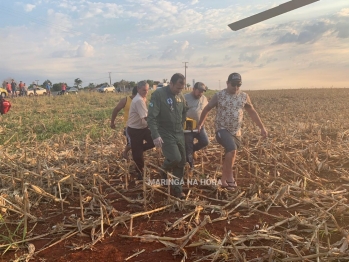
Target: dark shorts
(227, 140)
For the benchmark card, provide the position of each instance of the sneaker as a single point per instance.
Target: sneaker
(178, 194)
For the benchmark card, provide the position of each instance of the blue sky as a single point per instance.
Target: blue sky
(62, 40)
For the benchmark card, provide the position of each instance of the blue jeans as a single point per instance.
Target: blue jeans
(190, 147)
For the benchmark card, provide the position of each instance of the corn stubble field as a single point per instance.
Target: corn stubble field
(66, 194)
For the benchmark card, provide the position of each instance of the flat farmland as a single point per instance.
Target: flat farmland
(66, 194)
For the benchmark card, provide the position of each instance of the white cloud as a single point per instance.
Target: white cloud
(100, 39)
(28, 7)
(85, 50)
(68, 50)
(248, 57)
(344, 12)
(176, 50)
(107, 10)
(193, 2)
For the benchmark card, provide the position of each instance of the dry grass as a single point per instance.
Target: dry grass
(55, 148)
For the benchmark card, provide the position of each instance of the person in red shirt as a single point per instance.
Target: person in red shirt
(21, 88)
(8, 87)
(64, 87)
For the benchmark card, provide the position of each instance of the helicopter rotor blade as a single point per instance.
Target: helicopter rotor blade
(281, 9)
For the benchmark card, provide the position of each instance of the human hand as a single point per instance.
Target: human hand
(199, 128)
(264, 133)
(112, 125)
(158, 142)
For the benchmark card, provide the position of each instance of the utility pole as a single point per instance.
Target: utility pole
(109, 78)
(37, 82)
(185, 74)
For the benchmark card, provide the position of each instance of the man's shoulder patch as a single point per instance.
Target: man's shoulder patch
(151, 104)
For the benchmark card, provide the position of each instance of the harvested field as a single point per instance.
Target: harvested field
(66, 194)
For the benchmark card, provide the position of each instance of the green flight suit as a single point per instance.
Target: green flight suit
(166, 116)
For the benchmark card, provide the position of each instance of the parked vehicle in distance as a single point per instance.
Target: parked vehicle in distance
(3, 92)
(72, 90)
(69, 90)
(39, 91)
(161, 85)
(106, 89)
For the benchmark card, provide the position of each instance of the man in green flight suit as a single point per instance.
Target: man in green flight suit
(166, 116)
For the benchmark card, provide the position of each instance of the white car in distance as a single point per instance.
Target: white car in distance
(39, 91)
(161, 85)
(106, 89)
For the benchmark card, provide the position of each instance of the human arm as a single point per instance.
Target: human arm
(255, 117)
(153, 112)
(213, 103)
(116, 110)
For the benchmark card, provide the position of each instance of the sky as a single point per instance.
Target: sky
(62, 40)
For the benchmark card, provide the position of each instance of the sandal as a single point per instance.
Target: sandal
(231, 185)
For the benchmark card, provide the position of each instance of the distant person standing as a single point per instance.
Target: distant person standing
(25, 89)
(64, 88)
(125, 104)
(196, 103)
(21, 91)
(48, 88)
(8, 88)
(137, 127)
(166, 116)
(230, 103)
(13, 88)
(34, 88)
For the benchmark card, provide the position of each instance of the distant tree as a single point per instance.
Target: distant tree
(45, 82)
(164, 80)
(77, 82)
(102, 84)
(188, 85)
(132, 84)
(124, 83)
(150, 83)
(156, 82)
(57, 86)
(9, 79)
(90, 86)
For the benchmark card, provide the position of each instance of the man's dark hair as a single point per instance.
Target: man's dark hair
(134, 90)
(175, 77)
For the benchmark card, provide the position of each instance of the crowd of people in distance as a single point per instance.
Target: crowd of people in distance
(21, 89)
(12, 88)
(160, 124)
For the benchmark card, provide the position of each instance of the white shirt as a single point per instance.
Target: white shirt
(195, 106)
(138, 111)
